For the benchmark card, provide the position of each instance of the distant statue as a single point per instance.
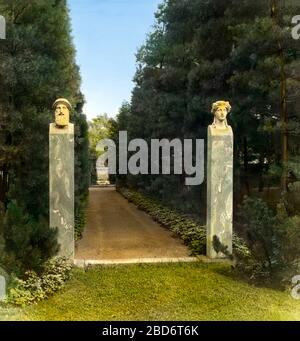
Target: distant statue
(220, 110)
(62, 108)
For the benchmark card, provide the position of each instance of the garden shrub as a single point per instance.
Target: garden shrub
(273, 239)
(29, 242)
(288, 232)
(291, 199)
(33, 287)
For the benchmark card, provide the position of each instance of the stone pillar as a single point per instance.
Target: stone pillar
(219, 182)
(61, 186)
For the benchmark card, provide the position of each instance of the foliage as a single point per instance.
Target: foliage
(272, 239)
(28, 242)
(82, 170)
(37, 66)
(101, 127)
(34, 287)
(288, 231)
(80, 219)
(202, 51)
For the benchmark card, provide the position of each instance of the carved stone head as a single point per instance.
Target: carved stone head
(220, 110)
(62, 108)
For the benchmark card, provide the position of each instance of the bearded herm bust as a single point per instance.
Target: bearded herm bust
(62, 108)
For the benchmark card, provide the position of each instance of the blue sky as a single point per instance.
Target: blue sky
(107, 34)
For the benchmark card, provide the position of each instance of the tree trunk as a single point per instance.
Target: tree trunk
(261, 172)
(283, 103)
(3, 185)
(245, 159)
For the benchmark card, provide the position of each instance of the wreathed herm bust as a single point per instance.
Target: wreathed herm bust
(220, 110)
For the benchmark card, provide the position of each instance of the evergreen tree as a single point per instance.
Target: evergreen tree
(37, 66)
(203, 51)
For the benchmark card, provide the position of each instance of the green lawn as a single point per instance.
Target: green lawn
(8, 313)
(188, 291)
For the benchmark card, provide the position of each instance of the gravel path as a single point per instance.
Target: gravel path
(116, 229)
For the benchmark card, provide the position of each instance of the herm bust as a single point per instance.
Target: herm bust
(62, 108)
(220, 110)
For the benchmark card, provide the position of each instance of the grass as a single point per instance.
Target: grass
(187, 291)
(9, 313)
